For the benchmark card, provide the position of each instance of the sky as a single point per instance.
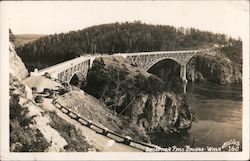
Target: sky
(39, 17)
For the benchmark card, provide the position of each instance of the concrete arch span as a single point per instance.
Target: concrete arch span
(151, 64)
(76, 78)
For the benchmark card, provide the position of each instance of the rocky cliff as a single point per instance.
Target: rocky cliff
(213, 67)
(33, 128)
(140, 96)
(165, 111)
(17, 67)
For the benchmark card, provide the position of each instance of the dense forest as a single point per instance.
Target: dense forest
(122, 37)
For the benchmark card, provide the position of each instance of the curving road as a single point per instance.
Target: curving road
(100, 143)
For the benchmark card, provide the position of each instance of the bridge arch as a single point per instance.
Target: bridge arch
(151, 64)
(167, 69)
(177, 71)
(76, 78)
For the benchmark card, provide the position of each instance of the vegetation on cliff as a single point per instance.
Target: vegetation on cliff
(107, 78)
(213, 67)
(234, 52)
(76, 141)
(22, 137)
(142, 97)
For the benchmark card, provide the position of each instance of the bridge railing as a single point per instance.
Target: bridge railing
(61, 66)
(157, 53)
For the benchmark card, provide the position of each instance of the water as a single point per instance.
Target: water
(219, 112)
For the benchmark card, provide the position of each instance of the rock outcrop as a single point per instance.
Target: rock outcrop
(213, 67)
(166, 111)
(137, 95)
(17, 67)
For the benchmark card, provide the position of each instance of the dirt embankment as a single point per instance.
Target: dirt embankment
(96, 111)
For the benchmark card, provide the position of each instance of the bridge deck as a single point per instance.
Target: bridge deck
(158, 52)
(64, 65)
(84, 58)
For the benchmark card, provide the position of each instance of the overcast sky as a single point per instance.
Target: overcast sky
(55, 17)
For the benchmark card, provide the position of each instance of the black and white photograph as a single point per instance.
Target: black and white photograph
(124, 80)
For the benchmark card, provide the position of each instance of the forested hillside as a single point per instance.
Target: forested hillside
(121, 37)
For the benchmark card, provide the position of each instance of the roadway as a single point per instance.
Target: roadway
(100, 142)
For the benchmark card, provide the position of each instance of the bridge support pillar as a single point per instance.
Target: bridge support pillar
(91, 60)
(183, 77)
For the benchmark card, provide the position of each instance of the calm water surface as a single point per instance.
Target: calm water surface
(219, 112)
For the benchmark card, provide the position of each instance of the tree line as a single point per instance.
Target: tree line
(115, 38)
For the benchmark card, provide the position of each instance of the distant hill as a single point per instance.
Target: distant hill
(118, 37)
(22, 39)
